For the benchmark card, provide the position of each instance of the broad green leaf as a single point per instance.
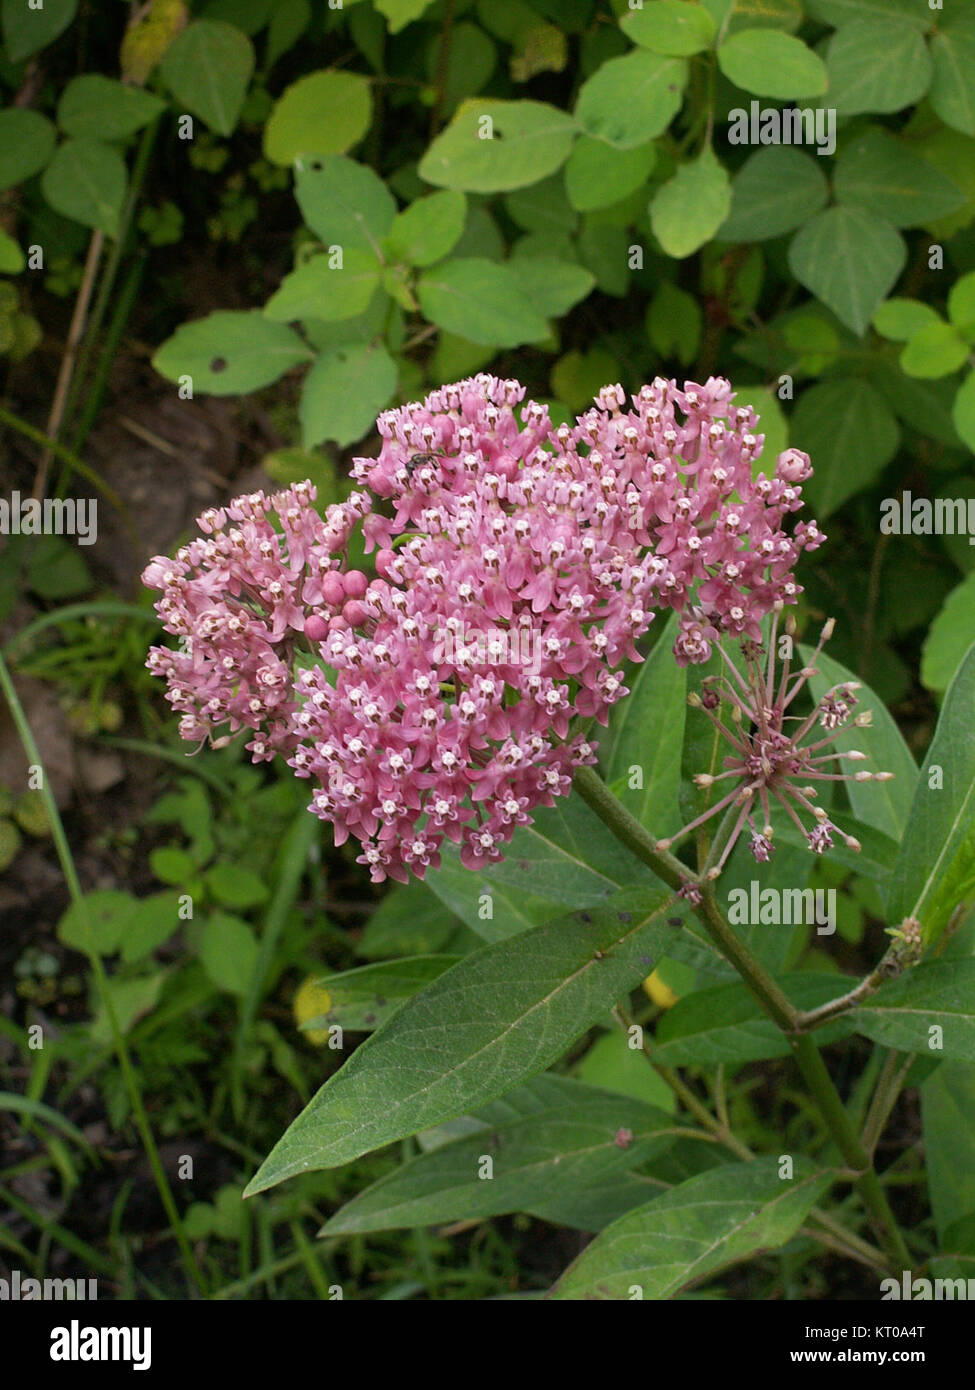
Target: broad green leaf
(849, 433)
(940, 994)
(598, 175)
(409, 921)
(672, 27)
(12, 260)
(26, 28)
(934, 351)
(708, 1222)
(689, 208)
(323, 113)
(755, 14)
(566, 858)
(961, 304)
(399, 13)
(949, 636)
(935, 870)
(644, 730)
(228, 951)
(772, 64)
(345, 204)
(924, 406)
(550, 1155)
(207, 69)
(551, 286)
(544, 207)
(882, 176)
(632, 99)
(428, 229)
(874, 65)
(895, 12)
(491, 146)
(344, 392)
(725, 1026)
(499, 1016)
(963, 411)
(616, 1066)
(152, 922)
(900, 319)
(953, 85)
(776, 190)
(322, 289)
(289, 20)
(99, 923)
(86, 181)
(234, 885)
(130, 1000)
(480, 300)
(26, 144)
(97, 107)
(230, 352)
(948, 1118)
(884, 805)
(848, 260)
(361, 1000)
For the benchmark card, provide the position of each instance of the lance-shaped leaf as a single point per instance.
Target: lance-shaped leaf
(948, 1116)
(557, 1152)
(361, 1000)
(935, 870)
(938, 996)
(706, 1223)
(501, 1015)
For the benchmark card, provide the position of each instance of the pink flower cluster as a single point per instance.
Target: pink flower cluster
(408, 698)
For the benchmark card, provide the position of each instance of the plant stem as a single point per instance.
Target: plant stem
(29, 431)
(98, 969)
(776, 1004)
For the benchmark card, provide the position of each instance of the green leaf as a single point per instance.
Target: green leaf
(963, 411)
(399, 13)
(849, 433)
(884, 805)
(289, 20)
(26, 30)
(953, 86)
(674, 324)
(874, 65)
(551, 286)
(849, 261)
(900, 319)
(361, 1000)
(12, 259)
(632, 99)
(480, 300)
(229, 951)
(948, 1119)
(97, 107)
(344, 392)
(689, 208)
(672, 27)
(934, 351)
(879, 174)
(26, 144)
(894, 12)
(949, 637)
(345, 204)
(230, 352)
(491, 146)
(598, 175)
(322, 289)
(724, 1025)
(234, 885)
(772, 64)
(961, 304)
(130, 1000)
(616, 1066)
(556, 1153)
(321, 114)
(99, 923)
(428, 229)
(499, 1016)
(409, 921)
(86, 181)
(207, 68)
(939, 994)
(644, 730)
(152, 923)
(935, 869)
(776, 190)
(709, 1221)
(170, 864)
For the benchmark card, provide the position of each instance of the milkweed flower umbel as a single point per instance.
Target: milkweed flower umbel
(559, 540)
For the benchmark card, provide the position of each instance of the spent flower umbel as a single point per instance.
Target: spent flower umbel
(573, 535)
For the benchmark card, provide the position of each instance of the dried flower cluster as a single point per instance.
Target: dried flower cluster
(571, 536)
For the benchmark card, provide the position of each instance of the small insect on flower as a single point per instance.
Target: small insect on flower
(416, 461)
